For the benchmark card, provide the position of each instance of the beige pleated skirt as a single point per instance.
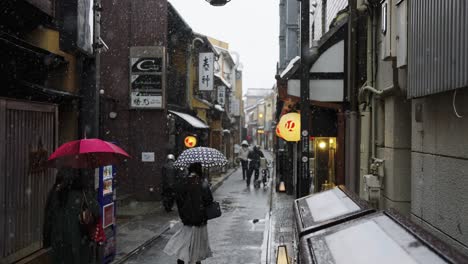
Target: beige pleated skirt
(190, 244)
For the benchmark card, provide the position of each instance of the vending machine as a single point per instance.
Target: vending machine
(106, 198)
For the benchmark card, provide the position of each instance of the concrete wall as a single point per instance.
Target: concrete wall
(289, 32)
(440, 166)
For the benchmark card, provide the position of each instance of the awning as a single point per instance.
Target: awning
(20, 47)
(25, 90)
(228, 85)
(193, 121)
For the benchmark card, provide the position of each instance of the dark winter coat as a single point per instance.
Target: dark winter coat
(169, 174)
(62, 231)
(193, 196)
(254, 157)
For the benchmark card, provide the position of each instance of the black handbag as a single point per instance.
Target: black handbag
(213, 210)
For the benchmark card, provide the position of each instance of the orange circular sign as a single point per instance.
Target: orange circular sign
(190, 141)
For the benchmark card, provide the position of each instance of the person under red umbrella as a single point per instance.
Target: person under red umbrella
(87, 153)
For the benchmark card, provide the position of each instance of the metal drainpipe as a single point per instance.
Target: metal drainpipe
(353, 178)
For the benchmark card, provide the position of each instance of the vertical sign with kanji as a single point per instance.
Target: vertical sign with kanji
(222, 95)
(205, 71)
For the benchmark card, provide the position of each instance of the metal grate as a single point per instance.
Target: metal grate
(30, 136)
(437, 48)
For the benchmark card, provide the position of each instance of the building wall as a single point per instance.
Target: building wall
(133, 23)
(440, 165)
(323, 15)
(289, 32)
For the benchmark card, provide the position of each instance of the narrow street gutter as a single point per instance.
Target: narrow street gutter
(167, 227)
(266, 249)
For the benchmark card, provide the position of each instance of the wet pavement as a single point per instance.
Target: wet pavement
(238, 236)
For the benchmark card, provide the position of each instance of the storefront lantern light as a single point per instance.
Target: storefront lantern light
(322, 145)
(278, 134)
(282, 253)
(190, 141)
(290, 127)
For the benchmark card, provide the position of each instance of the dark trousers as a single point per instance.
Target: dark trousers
(182, 262)
(168, 198)
(245, 168)
(249, 174)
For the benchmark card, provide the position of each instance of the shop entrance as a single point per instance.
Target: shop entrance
(324, 160)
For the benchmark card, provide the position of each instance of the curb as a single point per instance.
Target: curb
(219, 183)
(166, 227)
(142, 246)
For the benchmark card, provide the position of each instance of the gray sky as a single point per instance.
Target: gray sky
(251, 27)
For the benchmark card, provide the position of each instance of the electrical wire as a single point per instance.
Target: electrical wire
(454, 106)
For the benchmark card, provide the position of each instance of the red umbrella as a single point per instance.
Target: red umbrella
(87, 153)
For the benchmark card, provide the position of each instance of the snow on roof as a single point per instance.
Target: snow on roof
(223, 80)
(193, 121)
(219, 108)
(292, 63)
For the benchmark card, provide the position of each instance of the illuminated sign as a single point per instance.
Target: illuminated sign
(289, 127)
(190, 141)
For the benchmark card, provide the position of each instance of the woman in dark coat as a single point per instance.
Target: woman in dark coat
(69, 240)
(190, 244)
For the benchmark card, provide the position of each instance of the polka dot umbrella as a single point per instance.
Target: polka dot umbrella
(208, 157)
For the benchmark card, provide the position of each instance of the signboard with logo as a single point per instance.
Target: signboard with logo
(147, 77)
(205, 71)
(235, 106)
(77, 33)
(221, 95)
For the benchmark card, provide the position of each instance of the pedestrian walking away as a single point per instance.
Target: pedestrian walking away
(193, 195)
(169, 174)
(254, 157)
(71, 211)
(243, 156)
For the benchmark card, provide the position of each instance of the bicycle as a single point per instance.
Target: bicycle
(265, 166)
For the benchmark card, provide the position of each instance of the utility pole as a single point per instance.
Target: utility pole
(303, 178)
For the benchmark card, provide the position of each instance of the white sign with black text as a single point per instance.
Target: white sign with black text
(205, 71)
(147, 156)
(221, 95)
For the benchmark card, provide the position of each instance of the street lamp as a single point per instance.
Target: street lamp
(218, 2)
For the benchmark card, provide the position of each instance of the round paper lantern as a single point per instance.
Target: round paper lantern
(190, 141)
(278, 134)
(290, 127)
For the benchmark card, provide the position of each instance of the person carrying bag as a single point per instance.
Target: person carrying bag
(193, 198)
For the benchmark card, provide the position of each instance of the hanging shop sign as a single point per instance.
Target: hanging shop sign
(147, 77)
(205, 71)
(221, 95)
(190, 141)
(290, 127)
(78, 31)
